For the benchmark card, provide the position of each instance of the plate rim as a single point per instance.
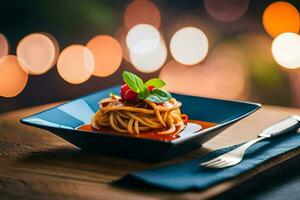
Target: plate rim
(175, 141)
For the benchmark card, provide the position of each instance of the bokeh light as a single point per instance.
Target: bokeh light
(107, 54)
(150, 61)
(37, 53)
(76, 64)
(280, 17)
(142, 12)
(226, 10)
(189, 46)
(142, 39)
(13, 78)
(286, 50)
(4, 47)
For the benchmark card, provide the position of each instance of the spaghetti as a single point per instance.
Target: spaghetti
(135, 117)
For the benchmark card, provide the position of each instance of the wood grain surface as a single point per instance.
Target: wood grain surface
(35, 164)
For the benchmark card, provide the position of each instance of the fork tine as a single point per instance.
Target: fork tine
(211, 161)
(212, 165)
(230, 164)
(224, 164)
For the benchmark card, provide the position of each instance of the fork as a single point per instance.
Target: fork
(287, 125)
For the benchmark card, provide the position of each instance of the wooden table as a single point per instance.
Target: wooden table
(35, 164)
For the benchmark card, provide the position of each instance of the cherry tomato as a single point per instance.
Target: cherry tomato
(128, 94)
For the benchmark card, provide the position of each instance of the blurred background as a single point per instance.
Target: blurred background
(234, 49)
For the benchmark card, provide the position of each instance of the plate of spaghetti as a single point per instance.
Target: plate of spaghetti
(133, 114)
(140, 120)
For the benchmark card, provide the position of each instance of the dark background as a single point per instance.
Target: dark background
(76, 21)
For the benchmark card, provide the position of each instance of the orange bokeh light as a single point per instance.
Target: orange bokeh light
(76, 64)
(13, 78)
(4, 47)
(37, 53)
(107, 53)
(142, 12)
(280, 17)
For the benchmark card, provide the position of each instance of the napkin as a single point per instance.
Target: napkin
(190, 176)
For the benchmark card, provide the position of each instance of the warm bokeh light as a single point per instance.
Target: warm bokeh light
(189, 46)
(37, 53)
(13, 78)
(150, 61)
(121, 34)
(4, 47)
(286, 50)
(141, 12)
(76, 64)
(107, 54)
(147, 49)
(226, 10)
(222, 75)
(280, 17)
(142, 39)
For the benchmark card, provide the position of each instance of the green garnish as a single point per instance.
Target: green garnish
(158, 96)
(156, 82)
(135, 83)
(111, 94)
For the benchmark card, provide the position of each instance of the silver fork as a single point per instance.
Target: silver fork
(287, 125)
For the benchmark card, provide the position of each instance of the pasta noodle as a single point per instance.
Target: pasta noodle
(139, 116)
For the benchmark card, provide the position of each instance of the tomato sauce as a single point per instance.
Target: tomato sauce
(148, 134)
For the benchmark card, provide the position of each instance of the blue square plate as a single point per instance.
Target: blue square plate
(63, 120)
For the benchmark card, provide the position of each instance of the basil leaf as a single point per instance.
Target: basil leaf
(133, 81)
(159, 96)
(143, 94)
(111, 94)
(156, 82)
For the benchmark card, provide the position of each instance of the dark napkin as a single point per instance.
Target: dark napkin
(189, 175)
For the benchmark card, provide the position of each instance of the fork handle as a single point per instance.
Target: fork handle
(287, 125)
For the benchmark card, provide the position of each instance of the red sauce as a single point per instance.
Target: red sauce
(147, 134)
